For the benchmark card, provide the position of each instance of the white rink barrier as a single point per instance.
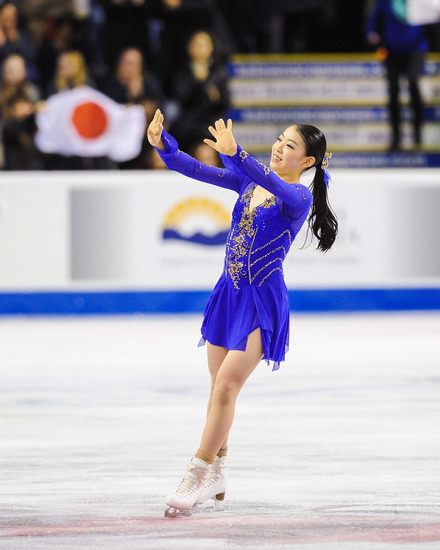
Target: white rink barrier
(111, 242)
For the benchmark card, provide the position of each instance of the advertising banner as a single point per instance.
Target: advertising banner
(320, 115)
(160, 231)
(322, 92)
(348, 137)
(317, 65)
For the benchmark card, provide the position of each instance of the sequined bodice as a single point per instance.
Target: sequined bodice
(258, 242)
(259, 239)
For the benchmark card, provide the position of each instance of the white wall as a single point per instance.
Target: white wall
(84, 230)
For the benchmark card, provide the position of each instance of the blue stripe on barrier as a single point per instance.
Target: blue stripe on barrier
(395, 299)
(323, 69)
(321, 115)
(119, 303)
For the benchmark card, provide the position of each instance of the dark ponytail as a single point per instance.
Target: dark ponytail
(322, 220)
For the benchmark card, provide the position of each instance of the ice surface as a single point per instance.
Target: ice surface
(337, 450)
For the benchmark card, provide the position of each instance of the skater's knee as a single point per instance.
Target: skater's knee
(225, 392)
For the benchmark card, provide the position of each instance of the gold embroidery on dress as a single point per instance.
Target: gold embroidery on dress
(273, 240)
(268, 254)
(266, 169)
(244, 228)
(234, 270)
(270, 201)
(264, 267)
(250, 252)
(243, 155)
(270, 273)
(239, 247)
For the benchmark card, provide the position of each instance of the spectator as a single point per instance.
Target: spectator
(201, 89)
(18, 133)
(133, 84)
(37, 13)
(406, 46)
(61, 35)
(71, 72)
(125, 26)
(14, 40)
(181, 18)
(15, 79)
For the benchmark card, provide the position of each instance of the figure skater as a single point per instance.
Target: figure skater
(246, 318)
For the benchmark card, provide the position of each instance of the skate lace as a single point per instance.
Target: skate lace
(191, 480)
(214, 473)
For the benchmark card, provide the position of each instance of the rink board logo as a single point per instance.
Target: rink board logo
(198, 220)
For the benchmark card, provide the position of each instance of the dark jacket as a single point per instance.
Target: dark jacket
(397, 35)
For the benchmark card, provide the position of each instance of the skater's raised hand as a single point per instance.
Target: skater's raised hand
(224, 138)
(154, 132)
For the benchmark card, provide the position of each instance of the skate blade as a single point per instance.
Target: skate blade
(210, 506)
(176, 512)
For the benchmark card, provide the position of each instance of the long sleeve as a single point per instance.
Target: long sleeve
(375, 19)
(297, 196)
(229, 164)
(184, 164)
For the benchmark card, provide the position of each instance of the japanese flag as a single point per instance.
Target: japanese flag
(87, 123)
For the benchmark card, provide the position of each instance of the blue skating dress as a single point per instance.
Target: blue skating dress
(251, 291)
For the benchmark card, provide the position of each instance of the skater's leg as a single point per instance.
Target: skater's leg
(223, 451)
(187, 493)
(228, 377)
(216, 356)
(235, 369)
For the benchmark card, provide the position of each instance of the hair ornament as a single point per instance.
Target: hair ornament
(325, 160)
(324, 166)
(327, 177)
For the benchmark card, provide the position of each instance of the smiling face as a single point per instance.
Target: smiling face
(289, 158)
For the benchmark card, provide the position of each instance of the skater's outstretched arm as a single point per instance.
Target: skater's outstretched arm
(168, 149)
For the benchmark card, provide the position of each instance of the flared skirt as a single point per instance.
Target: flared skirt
(232, 314)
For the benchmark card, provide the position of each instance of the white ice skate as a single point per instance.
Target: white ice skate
(216, 482)
(188, 492)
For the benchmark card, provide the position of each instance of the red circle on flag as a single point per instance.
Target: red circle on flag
(90, 120)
